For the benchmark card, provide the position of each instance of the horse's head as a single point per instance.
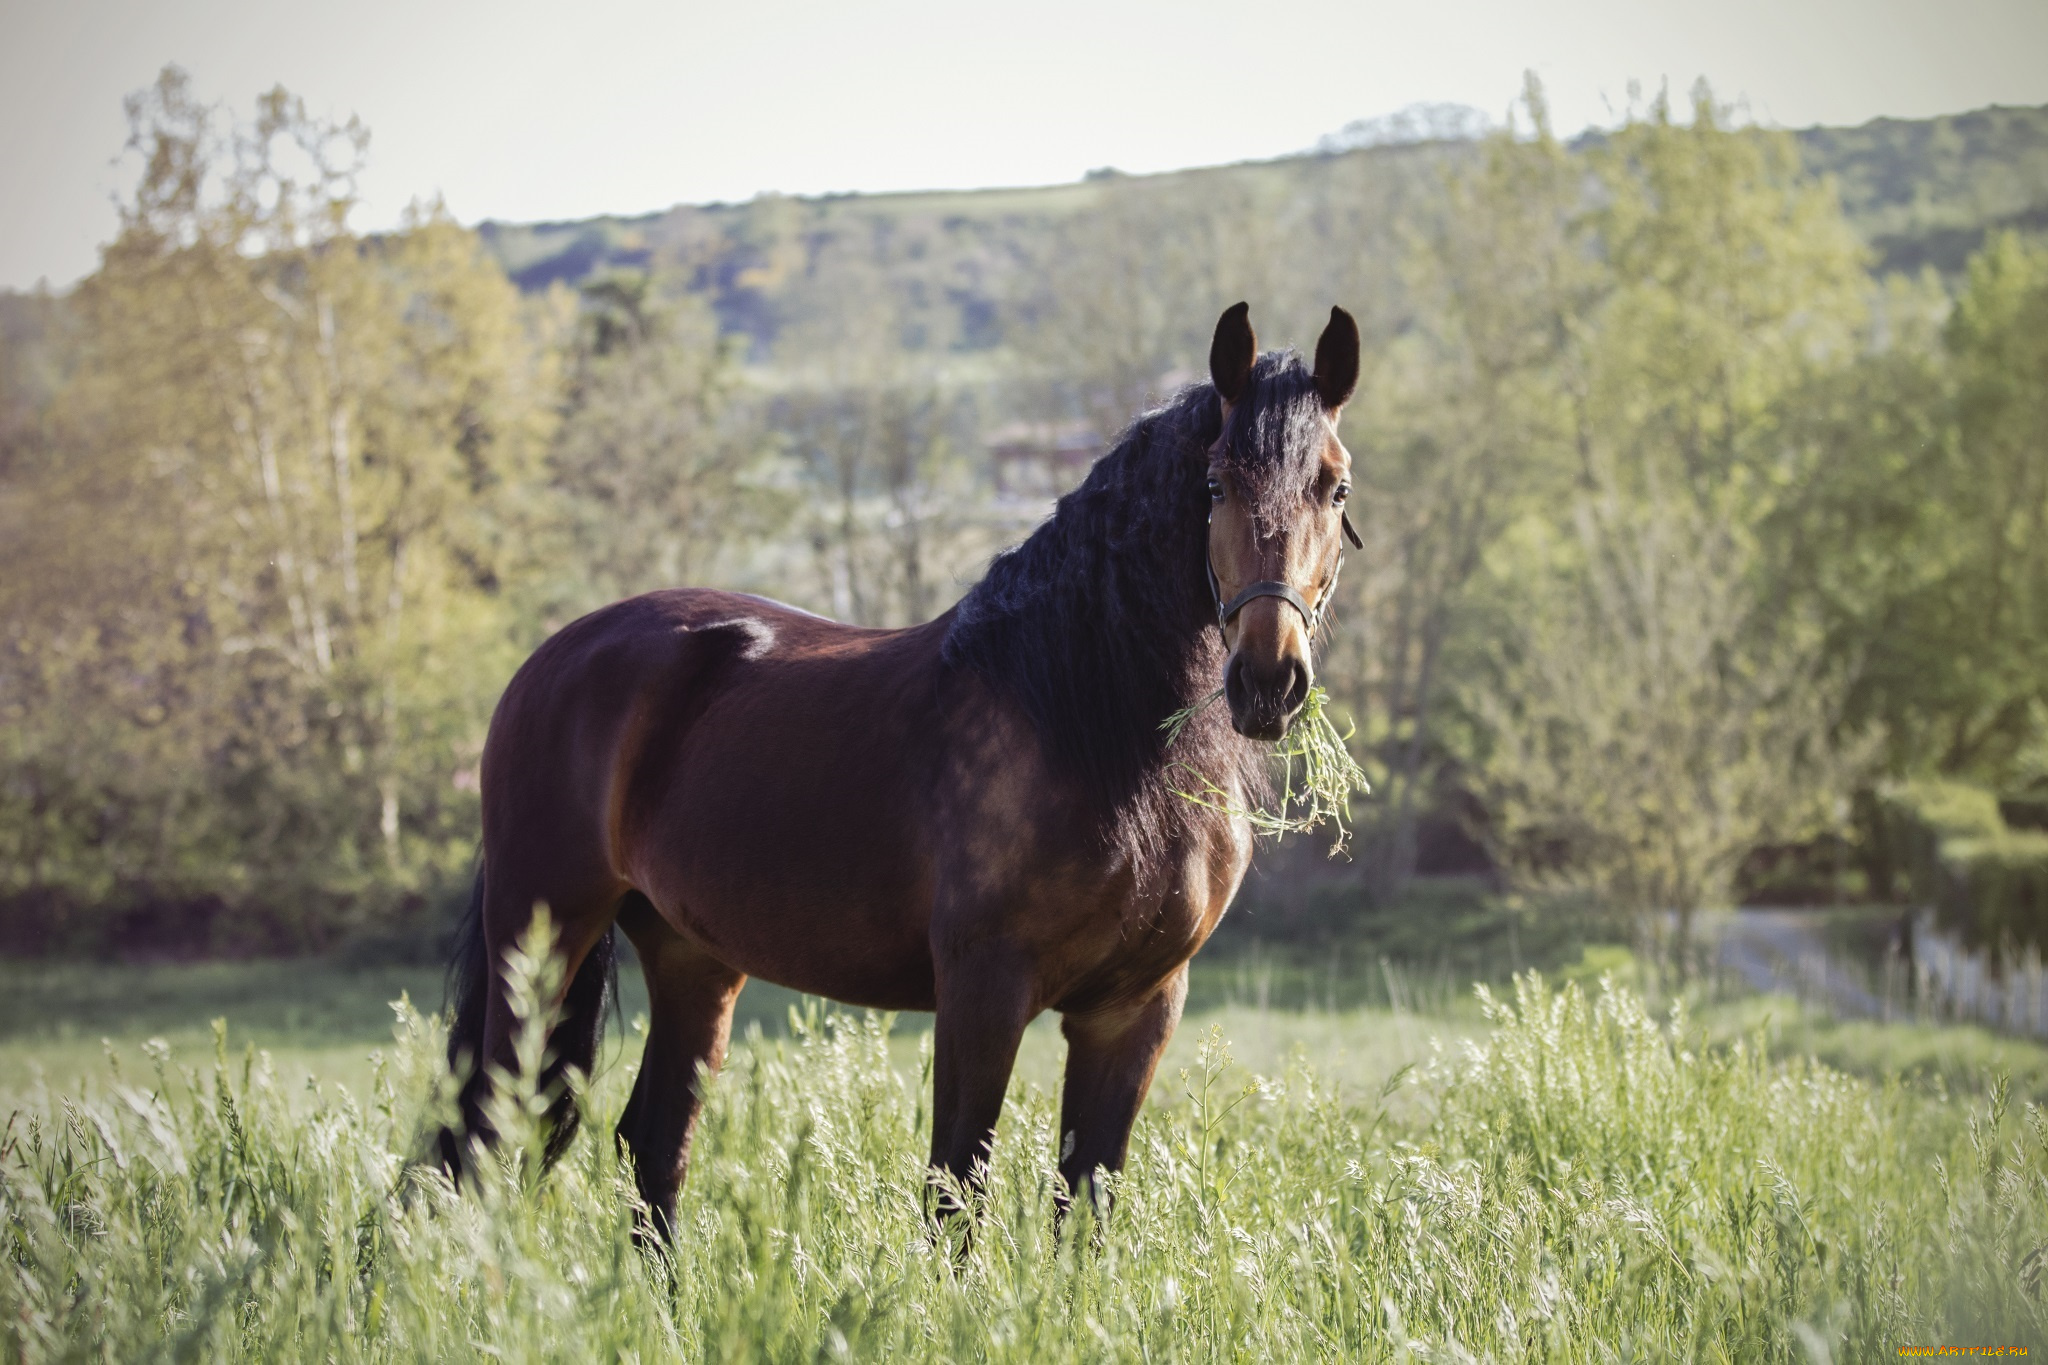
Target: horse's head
(1278, 479)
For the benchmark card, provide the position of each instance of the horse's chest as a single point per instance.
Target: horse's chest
(1137, 938)
(1184, 912)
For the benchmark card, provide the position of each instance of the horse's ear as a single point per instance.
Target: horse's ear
(1337, 361)
(1232, 352)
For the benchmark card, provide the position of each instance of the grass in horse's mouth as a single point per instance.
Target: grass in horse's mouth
(1318, 774)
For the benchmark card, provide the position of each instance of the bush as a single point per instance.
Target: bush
(1994, 890)
(142, 923)
(1460, 924)
(1986, 882)
(1906, 824)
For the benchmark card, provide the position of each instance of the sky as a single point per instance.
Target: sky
(521, 111)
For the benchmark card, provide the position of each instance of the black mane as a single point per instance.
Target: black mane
(1101, 624)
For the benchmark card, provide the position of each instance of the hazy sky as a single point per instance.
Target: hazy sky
(516, 110)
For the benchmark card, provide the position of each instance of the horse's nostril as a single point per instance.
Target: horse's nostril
(1297, 688)
(1237, 690)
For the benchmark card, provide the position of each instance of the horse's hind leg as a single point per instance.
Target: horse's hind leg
(583, 922)
(574, 1040)
(1111, 1056)
(690, 998)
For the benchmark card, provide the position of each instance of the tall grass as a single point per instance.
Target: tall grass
(1588, 1183)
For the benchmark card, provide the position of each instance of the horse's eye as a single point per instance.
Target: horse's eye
(1215, 490)
(1337, 498)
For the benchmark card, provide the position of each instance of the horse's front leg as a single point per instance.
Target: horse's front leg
(985, 1000)
(1111, 1056)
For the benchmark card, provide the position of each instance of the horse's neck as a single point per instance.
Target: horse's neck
(1100, 625)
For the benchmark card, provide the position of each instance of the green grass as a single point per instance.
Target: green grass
(320, 1019)
(1946, 1059)
(1570, 1179)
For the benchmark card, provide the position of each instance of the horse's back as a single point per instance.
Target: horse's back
(662, 647)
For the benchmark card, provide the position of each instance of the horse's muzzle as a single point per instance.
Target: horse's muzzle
(1264, 700)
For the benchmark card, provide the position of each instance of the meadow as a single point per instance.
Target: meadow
(1541, 1173)
(1665, 465)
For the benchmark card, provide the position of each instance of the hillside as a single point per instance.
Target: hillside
(951, 264)
(1922, 192)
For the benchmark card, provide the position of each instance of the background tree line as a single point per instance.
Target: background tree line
(1686, 522)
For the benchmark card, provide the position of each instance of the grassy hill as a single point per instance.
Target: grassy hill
(952, 263)
(1922, 192)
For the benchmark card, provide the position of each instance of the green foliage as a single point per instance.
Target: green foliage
(1586, 1180)
(1456, 432)
(656, 475)
(1998, 337)
(1997, 892)
(1602, 961)
(1655, 708)
(1916, 819)
(1918, 530)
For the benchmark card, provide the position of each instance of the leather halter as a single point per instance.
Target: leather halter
(1286, 592)
(1269, 587)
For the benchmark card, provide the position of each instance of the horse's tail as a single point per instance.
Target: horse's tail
(573, 1042)
(468, 991)
(468, 985)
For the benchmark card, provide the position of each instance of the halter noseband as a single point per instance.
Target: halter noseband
(1286, 592)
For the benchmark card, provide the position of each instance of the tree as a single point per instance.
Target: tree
(1994, 486)
(1458, 426)
(1919, 524)
(1656, 717)
(1658, 706)
(890, 502)
(1120, 309)
(661, 468)
(265, 539)
(880, 437)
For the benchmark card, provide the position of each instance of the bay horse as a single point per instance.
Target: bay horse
(976, 816)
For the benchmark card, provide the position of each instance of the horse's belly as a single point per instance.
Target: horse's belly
(784, 874)
(785, 932)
